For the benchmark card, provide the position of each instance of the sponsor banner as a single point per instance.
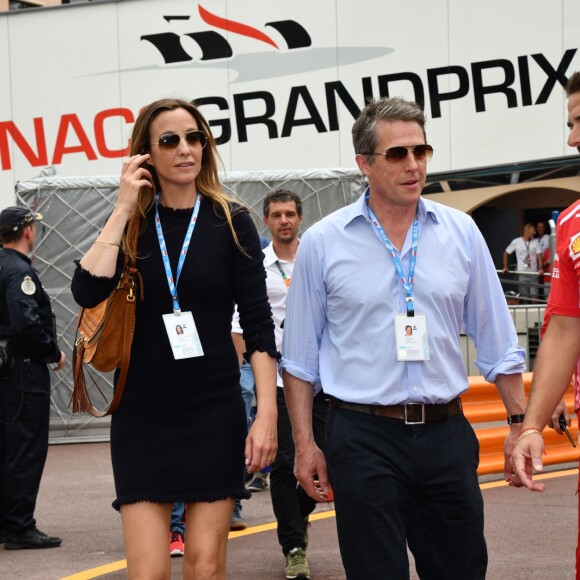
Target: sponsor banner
(281, 84)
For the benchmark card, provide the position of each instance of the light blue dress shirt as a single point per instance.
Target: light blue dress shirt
(339, 330)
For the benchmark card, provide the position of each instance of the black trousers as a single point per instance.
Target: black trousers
(289, 501)
(24, 422)
(397, 485)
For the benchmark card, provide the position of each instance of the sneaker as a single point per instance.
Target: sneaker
(297, 564)
(258, 483)
(176, 546)
(238, 522)
(31, 539)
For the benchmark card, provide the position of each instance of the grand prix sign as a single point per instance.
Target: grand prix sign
(280, 84)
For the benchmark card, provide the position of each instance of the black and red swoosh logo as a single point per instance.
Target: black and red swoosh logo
(215, 46)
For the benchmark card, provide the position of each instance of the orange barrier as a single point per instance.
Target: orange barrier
(482, 405)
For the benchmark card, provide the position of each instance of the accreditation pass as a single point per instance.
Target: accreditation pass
(411, 337)
(183, 335)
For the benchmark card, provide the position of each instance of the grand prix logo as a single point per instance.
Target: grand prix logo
(215, 46)
(283, 40)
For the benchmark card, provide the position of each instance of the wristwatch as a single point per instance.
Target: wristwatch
(515, 419)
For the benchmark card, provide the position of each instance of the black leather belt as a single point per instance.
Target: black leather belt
(411, 413)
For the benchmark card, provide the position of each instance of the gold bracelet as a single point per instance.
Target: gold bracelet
(105, 242)
(530, 431)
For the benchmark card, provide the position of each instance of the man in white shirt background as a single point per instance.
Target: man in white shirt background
(542, 236)
(530, 263)
(282, 215)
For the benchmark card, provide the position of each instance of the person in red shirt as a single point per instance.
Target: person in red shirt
(559, 353)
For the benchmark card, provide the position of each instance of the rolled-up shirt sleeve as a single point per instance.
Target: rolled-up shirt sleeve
(487, 320)
(305, 313)
(512, 363)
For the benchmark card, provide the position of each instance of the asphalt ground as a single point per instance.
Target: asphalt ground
(529, 535)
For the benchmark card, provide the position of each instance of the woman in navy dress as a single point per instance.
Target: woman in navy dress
(180, 433)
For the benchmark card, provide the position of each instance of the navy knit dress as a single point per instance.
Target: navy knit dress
(179, 432)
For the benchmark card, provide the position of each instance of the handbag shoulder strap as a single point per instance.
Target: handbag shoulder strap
(129, 325)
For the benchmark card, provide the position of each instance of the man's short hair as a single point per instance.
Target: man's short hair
(281, 195)
(364, 130)
(573, 84)
(11, 237)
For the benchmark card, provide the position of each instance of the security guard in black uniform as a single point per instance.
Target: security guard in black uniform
(27, 323)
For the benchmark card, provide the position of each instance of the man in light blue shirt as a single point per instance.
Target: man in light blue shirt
(402, 458)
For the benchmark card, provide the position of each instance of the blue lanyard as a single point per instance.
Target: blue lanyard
(407, 283)
(184, 248)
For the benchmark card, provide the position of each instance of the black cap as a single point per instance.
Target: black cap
(15, 217)
(511, 294)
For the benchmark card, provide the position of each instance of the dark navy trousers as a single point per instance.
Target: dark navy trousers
(24, 424)
(397, 485)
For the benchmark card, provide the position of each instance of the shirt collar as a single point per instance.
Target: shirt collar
(360, 209)
(429, 208)
(18, 253)
(270, 255)
(357, 209)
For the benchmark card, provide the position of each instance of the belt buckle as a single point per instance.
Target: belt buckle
(422, 421)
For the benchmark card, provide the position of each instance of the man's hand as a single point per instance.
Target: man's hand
(508, 449)
(527, 458)
(554, 421)
(310, 471)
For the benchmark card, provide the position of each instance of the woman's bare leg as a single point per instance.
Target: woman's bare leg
(206, 539)
(146, 534)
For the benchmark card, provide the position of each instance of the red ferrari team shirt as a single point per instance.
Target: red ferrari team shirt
(565, 292)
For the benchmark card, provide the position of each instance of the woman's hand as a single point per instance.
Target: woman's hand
(262, 442)
(134, 176)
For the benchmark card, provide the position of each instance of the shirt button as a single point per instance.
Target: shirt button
(415, 389)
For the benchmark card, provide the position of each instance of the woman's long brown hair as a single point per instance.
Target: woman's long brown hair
(207, 180)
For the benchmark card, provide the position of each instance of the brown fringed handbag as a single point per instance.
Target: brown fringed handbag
(104, 336)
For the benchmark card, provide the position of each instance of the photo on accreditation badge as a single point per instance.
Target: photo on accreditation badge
(183, 336)
(411, 337)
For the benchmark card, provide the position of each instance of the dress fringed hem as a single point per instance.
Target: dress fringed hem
(193, 498)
